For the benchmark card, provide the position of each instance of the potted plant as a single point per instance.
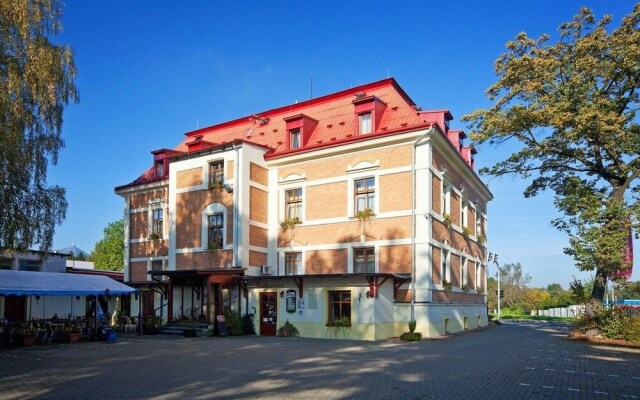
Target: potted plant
(154, 236)
(465, 288)
(216, 185)
(288, 330)
(481, 239)
(27, 334)
(365, 215)
(290, 223)
(72, 334)
(213, 246)
(446, 218)
(339, 325)
(466, 231)
(480, 290)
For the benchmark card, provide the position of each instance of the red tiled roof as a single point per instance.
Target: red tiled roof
(335, 114)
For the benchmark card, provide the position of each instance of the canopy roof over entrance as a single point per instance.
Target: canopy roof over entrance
(23, 283)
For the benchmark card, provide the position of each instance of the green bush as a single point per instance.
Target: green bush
(288, 330)
(247, 325)
(614, 323)
(412, 326)
(631, 330)
(234, 324)
(411, 336)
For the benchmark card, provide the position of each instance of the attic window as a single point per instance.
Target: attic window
(159, 169)
(364, 123)
(294, 138)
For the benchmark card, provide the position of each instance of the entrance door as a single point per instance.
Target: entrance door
(147, 303)
(14, 309)
(268, 313)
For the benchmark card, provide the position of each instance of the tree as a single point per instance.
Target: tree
(109, 251)
(572, 108)
(514, 281)
(36, 83)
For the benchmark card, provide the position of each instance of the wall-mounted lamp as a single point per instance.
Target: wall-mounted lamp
(282, 293)
(368, 294)
(228, 188)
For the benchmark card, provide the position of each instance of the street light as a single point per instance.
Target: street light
(494, 257)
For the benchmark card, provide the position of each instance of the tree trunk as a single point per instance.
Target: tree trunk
(597, 294)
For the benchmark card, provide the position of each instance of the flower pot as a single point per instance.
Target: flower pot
(72, 337)
(28, 340)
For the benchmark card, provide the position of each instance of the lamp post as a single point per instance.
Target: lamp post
(494, 257)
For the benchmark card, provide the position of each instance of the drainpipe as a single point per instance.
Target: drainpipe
(236, 196)
(413, 220)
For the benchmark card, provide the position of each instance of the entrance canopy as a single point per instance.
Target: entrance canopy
(24, 283)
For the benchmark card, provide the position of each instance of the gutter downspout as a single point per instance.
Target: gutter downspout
(236, 195)
(413, 220)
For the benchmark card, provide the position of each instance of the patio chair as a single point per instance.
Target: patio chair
(128, 325)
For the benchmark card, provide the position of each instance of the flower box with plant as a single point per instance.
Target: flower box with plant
(365, 215)
(481, 239)
(447, 286)
(465, 288)
(446, 219)
(480, 290)
(213, 246)
(216, 185)
(154, 236)
(27, 334)
(339, 325)
(72, 333)
(466, 231)
(290, 223)
(288, 330)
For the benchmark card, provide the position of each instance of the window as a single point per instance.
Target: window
(293, 263)
(6, 263)
(156, 265)
(463, 272)
(365, 123)
(463, 214)
(364, 260)
(216, 173)
(445, 199)
(365, 194)
(30, 265)
(339, 305)
(294, 138)
(293, 203)
(215, 227)
(478, 275)
(445, 274)
(479, 230)
(157, 222)
(159, 169)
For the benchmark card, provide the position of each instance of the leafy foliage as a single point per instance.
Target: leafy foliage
(36, 83)
(411, 336)
(109, 251)
(572, 106)
(235, 325)
(288, 329)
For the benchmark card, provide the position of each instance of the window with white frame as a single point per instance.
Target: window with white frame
(364, 260)
(215, 228)
(445, 204)
(479, 230)
(364, 123)
(293, 203)
(445, 272)
(463, 272)
(365, 194)
(157, 266)
(292, 263)
(157, 222)
(463, 214)
(478, 275)
(294, 138)
(216, 173)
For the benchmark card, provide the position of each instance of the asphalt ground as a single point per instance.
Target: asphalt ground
(517, 360)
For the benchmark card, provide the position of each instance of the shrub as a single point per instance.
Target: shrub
(411, 336)
(288, 329)
(247, 325)
(234, 323)
(412, 326)
(631, 330)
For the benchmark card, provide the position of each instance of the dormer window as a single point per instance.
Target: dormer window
(294, 138)
(369, 111)
(365, 123)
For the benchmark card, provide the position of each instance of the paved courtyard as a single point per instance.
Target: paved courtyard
(518, 360)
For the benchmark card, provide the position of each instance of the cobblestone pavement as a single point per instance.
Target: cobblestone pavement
(518, 360)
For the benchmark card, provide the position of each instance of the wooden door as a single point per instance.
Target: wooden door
(268, 313)
(147, 303)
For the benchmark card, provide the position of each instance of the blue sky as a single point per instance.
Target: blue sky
(151, 71)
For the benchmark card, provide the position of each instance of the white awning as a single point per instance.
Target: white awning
(24, 283)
